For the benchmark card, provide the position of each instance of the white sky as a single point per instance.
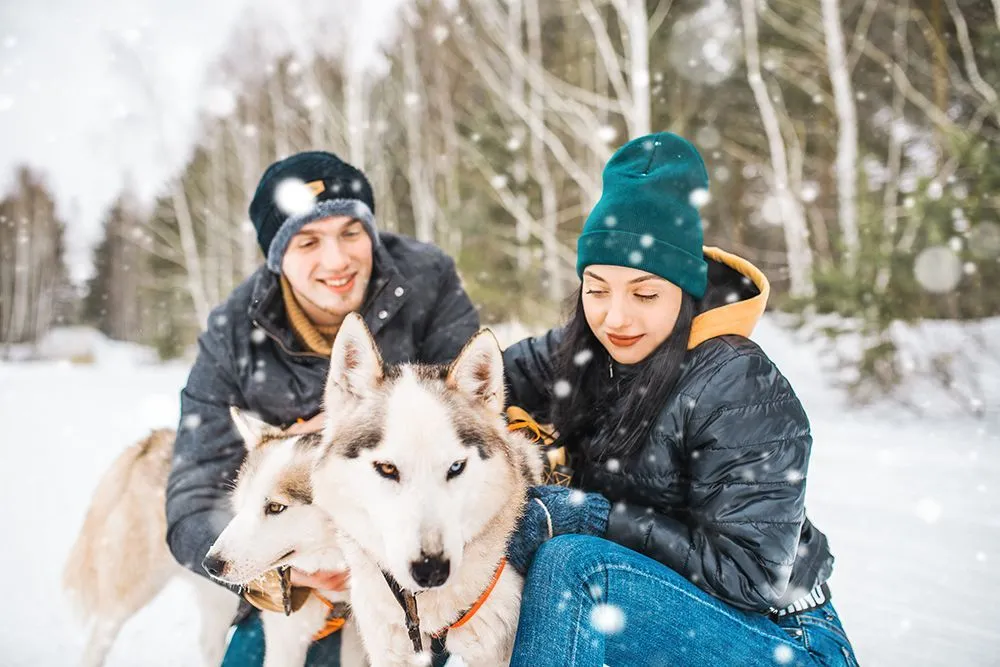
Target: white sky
(94, 92)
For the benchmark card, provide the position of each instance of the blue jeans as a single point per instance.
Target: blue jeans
(589, 602)
(246, 648)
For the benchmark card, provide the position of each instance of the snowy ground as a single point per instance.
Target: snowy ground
(911, 507)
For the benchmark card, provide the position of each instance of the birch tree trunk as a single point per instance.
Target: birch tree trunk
(189, 246)
(416, 169)
(847, 135)
(638, 39)
(540, 164)
(800, 259)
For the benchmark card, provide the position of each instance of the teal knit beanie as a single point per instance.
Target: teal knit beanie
(647, 217)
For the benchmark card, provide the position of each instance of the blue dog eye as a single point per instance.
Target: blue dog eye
(456, 469)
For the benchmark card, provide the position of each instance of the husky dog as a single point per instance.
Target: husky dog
(275, 526)
(426, 484)
(120, 560)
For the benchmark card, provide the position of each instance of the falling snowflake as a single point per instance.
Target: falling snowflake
(646, 240)
(706, 46)
(981, 556)
(10, 41)
(411, 99)
(773, 210)
(607, 133)
(192, 421)
(699, 197)
(610, 221)
(783, 654)
(561, 389)
(583, 357)
(422, 659)
(635, 257)
(258, 336)
(294, 197)
(440, 33)
(613, 465)
(938, 269)
(499, 181)
(576, 497)
(513, 143)
(935, 190)
(809, 192)
(220, 102)
(6, 102)
(928, 510)
(607, 619)
(312, 101)
(708, 137)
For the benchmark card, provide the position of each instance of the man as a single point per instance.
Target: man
(266, 349)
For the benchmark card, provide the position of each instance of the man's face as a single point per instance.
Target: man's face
(328, 265)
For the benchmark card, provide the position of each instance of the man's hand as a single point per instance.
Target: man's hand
(327, 580)
(313, 425)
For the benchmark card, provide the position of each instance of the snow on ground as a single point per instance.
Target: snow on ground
(911, 506)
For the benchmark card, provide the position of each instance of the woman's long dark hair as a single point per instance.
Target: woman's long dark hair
(598, 405)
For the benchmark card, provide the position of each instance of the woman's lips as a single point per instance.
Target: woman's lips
(624, 341)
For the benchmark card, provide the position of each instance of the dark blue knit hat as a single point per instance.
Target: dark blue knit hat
(647, 217)
(303, 188)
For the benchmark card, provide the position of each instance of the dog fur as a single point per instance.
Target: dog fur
(120, 560)
(278, 469)
(423, 476)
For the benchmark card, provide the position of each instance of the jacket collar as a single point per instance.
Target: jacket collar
(735, 300)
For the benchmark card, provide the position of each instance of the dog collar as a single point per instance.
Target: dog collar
(408, 601)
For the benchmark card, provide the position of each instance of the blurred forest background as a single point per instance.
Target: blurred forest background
(852, 147)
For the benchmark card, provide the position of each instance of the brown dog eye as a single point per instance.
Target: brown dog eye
(274, 508)
(388, 471)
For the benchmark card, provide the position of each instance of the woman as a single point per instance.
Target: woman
(688, 544)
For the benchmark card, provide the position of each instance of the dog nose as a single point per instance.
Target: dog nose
(213, 565)
(431, 570)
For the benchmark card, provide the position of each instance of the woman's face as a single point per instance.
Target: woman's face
(630, 311)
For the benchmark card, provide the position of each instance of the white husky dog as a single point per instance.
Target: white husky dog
(426, 484)
(120, 561)
(276, 526)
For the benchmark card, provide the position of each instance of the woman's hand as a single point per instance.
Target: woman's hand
(552, 511)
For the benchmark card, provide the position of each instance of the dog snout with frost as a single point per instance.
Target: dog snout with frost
(426, 484)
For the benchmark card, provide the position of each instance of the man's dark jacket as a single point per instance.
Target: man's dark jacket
(250, 357)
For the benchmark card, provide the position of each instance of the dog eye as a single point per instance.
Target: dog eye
(456, 469)
(274, 508)
(388, 471)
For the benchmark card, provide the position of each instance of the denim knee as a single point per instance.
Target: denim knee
(570, 558)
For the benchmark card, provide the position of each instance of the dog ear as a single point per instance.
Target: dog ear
(253, 430)
(478, 371)
(355, 364)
